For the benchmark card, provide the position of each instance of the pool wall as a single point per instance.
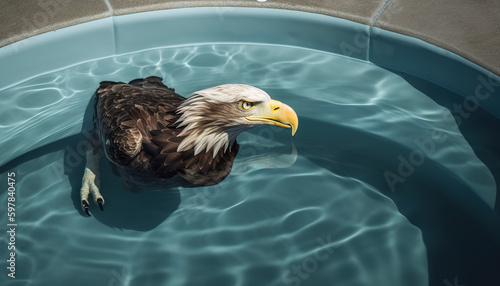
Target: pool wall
(467, 28)
(120, 35)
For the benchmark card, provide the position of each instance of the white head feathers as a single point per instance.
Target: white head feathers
(212, 119)
(233, 93)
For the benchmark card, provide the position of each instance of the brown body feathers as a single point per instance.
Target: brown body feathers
(136, 123)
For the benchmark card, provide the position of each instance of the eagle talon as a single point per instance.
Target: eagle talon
(85, 207)
(100, 202)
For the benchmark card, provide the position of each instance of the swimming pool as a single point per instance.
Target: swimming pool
(382, 185)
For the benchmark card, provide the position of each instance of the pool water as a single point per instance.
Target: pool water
(378, 187)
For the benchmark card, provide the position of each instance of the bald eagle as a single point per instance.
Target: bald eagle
(153, 136)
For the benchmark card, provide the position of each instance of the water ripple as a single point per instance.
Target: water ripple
(319, 217)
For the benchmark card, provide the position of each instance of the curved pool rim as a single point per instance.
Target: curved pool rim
(118, 35)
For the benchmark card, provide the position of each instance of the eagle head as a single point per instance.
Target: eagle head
(212, 118)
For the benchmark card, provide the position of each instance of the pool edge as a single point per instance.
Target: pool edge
(467, 30)
(119, 34)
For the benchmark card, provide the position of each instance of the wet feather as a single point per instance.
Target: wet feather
(144, 125)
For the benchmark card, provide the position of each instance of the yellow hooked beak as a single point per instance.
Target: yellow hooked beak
(277, 114)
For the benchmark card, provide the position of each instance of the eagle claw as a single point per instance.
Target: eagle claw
(85, 206)
(100, 202)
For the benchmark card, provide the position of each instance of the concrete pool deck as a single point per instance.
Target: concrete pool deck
(470, 29)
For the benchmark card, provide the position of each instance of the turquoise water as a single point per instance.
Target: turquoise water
(378, 187)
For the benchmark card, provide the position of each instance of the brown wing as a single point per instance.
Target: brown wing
(126, 113)
(136, 122)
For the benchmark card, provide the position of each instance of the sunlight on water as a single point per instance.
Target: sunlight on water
(314, 215)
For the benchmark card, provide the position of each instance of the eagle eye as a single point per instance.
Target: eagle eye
(246, 105)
